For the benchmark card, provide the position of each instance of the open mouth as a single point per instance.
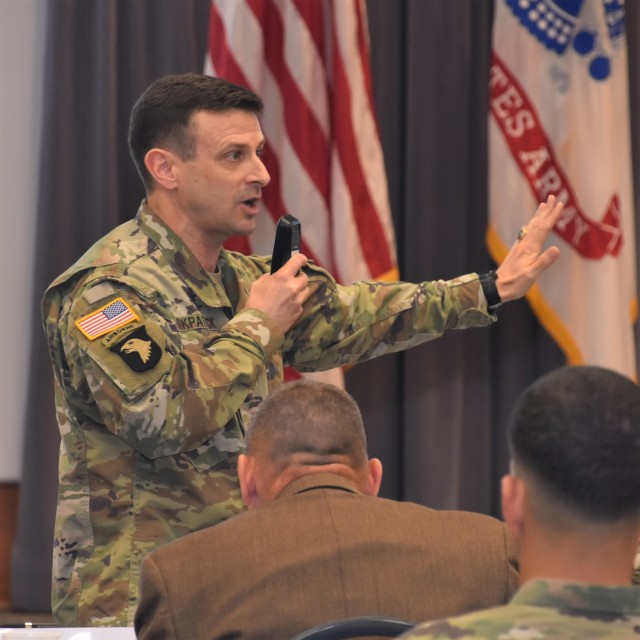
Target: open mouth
(251, 203)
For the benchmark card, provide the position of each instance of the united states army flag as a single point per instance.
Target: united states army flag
(559, 123)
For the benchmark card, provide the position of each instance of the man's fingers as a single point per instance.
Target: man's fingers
(303, 295)
(293, 265)
(549, 212)
(533, 235)
(547, 258)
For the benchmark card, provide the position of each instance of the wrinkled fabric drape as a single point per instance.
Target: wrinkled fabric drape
(435, 415)
(99, 57)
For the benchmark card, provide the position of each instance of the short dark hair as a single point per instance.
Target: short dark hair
(576, 433)
(308, 417)
(161, 115)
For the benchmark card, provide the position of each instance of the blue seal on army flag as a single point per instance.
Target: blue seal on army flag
(138, 350)
(564, 26)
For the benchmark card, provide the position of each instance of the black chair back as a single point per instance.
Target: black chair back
(359, 627)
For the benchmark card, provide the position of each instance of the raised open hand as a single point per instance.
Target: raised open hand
(526, 260)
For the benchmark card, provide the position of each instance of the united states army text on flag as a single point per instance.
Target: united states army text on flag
(559, 123)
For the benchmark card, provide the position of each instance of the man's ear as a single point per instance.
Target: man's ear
(247, 479)
(374, 477)
(513, 504)
(160, 164)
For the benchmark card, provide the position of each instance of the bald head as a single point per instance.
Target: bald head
(305, 427)
(308, 420)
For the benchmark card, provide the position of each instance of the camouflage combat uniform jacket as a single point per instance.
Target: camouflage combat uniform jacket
(158, 365)
(547, 609)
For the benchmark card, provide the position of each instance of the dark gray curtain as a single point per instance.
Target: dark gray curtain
(100, 55)
(435, 415)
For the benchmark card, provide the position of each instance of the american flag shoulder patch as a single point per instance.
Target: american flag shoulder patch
(113, 315)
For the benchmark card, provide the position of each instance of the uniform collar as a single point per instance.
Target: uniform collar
(559, 594)
(178, 255)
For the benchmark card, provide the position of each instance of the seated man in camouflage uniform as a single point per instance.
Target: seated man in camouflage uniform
(163, 342)
(572, 501)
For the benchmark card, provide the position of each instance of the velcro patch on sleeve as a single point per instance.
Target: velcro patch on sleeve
(138, 350)
(113, 315)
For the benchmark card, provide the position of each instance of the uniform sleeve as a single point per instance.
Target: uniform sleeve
(161, 397)
(346, 325)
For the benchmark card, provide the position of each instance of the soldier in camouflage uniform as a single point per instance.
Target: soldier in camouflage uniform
(162, 342)
(572, 502)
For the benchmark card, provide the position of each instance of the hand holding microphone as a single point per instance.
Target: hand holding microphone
(282, 293)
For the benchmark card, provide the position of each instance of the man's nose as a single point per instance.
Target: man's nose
(259, 173)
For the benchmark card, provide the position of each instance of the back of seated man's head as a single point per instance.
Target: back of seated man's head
(305, 427)
(574, 436)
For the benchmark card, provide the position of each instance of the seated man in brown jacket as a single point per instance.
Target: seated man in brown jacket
(316, 543)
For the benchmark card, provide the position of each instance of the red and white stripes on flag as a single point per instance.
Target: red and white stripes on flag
(560, 124)
(309, 61)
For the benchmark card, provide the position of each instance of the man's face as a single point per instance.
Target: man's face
(220, 188)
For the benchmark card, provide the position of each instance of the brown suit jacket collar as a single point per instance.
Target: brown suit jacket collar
(313, 481)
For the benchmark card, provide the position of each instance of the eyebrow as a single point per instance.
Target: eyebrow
(242, 145)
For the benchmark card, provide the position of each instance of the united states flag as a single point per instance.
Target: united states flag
(309, 61)
(115, 314)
